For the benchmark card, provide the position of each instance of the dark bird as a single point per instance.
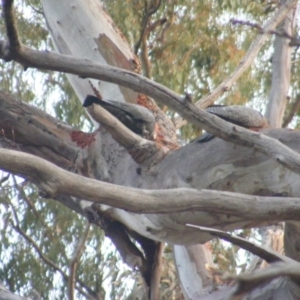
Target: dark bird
(236, 114)
(135, 117)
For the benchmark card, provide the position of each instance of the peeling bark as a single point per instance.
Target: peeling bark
(193, 260)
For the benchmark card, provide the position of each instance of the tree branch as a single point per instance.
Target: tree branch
(152, 266)
(5, 294)
(148, 13)
(53, 180)
(248, 282)
(74, 262)
(156, 269)
(282, 34)
(281, 72)
(22, 195)
(268, 255)
(11, 28)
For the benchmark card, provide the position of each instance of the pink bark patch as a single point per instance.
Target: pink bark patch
(83, 139)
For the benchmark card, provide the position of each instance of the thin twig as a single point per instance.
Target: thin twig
(268, 255)
(148, 13)
(24, 197)
(74, 261)
(261, 30)
(4, 179)
(89, 295)
(40, 12)
(144, 53)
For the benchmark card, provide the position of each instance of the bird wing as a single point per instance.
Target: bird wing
(239, 115)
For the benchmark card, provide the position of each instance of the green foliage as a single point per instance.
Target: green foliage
(197, 48)
(39, 238)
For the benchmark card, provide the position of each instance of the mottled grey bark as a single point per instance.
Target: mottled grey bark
(281, 71)
(278, 99)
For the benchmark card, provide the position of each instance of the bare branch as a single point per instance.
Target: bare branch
(11, 28)
(148, 13)
(248, 282)
(5, 294)
(152, 267)
(4, 178)
(295, 42)
(156, 269)
(53, 180)
(282, 34)
(22, 195)
(144, 42)
(268, 255)
(74, 262)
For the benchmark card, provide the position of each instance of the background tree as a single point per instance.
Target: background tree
(163, 35)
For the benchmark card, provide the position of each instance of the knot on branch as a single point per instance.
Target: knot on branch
(188, 97)
(47, 189)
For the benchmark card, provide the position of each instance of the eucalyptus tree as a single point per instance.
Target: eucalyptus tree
(145, 192)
